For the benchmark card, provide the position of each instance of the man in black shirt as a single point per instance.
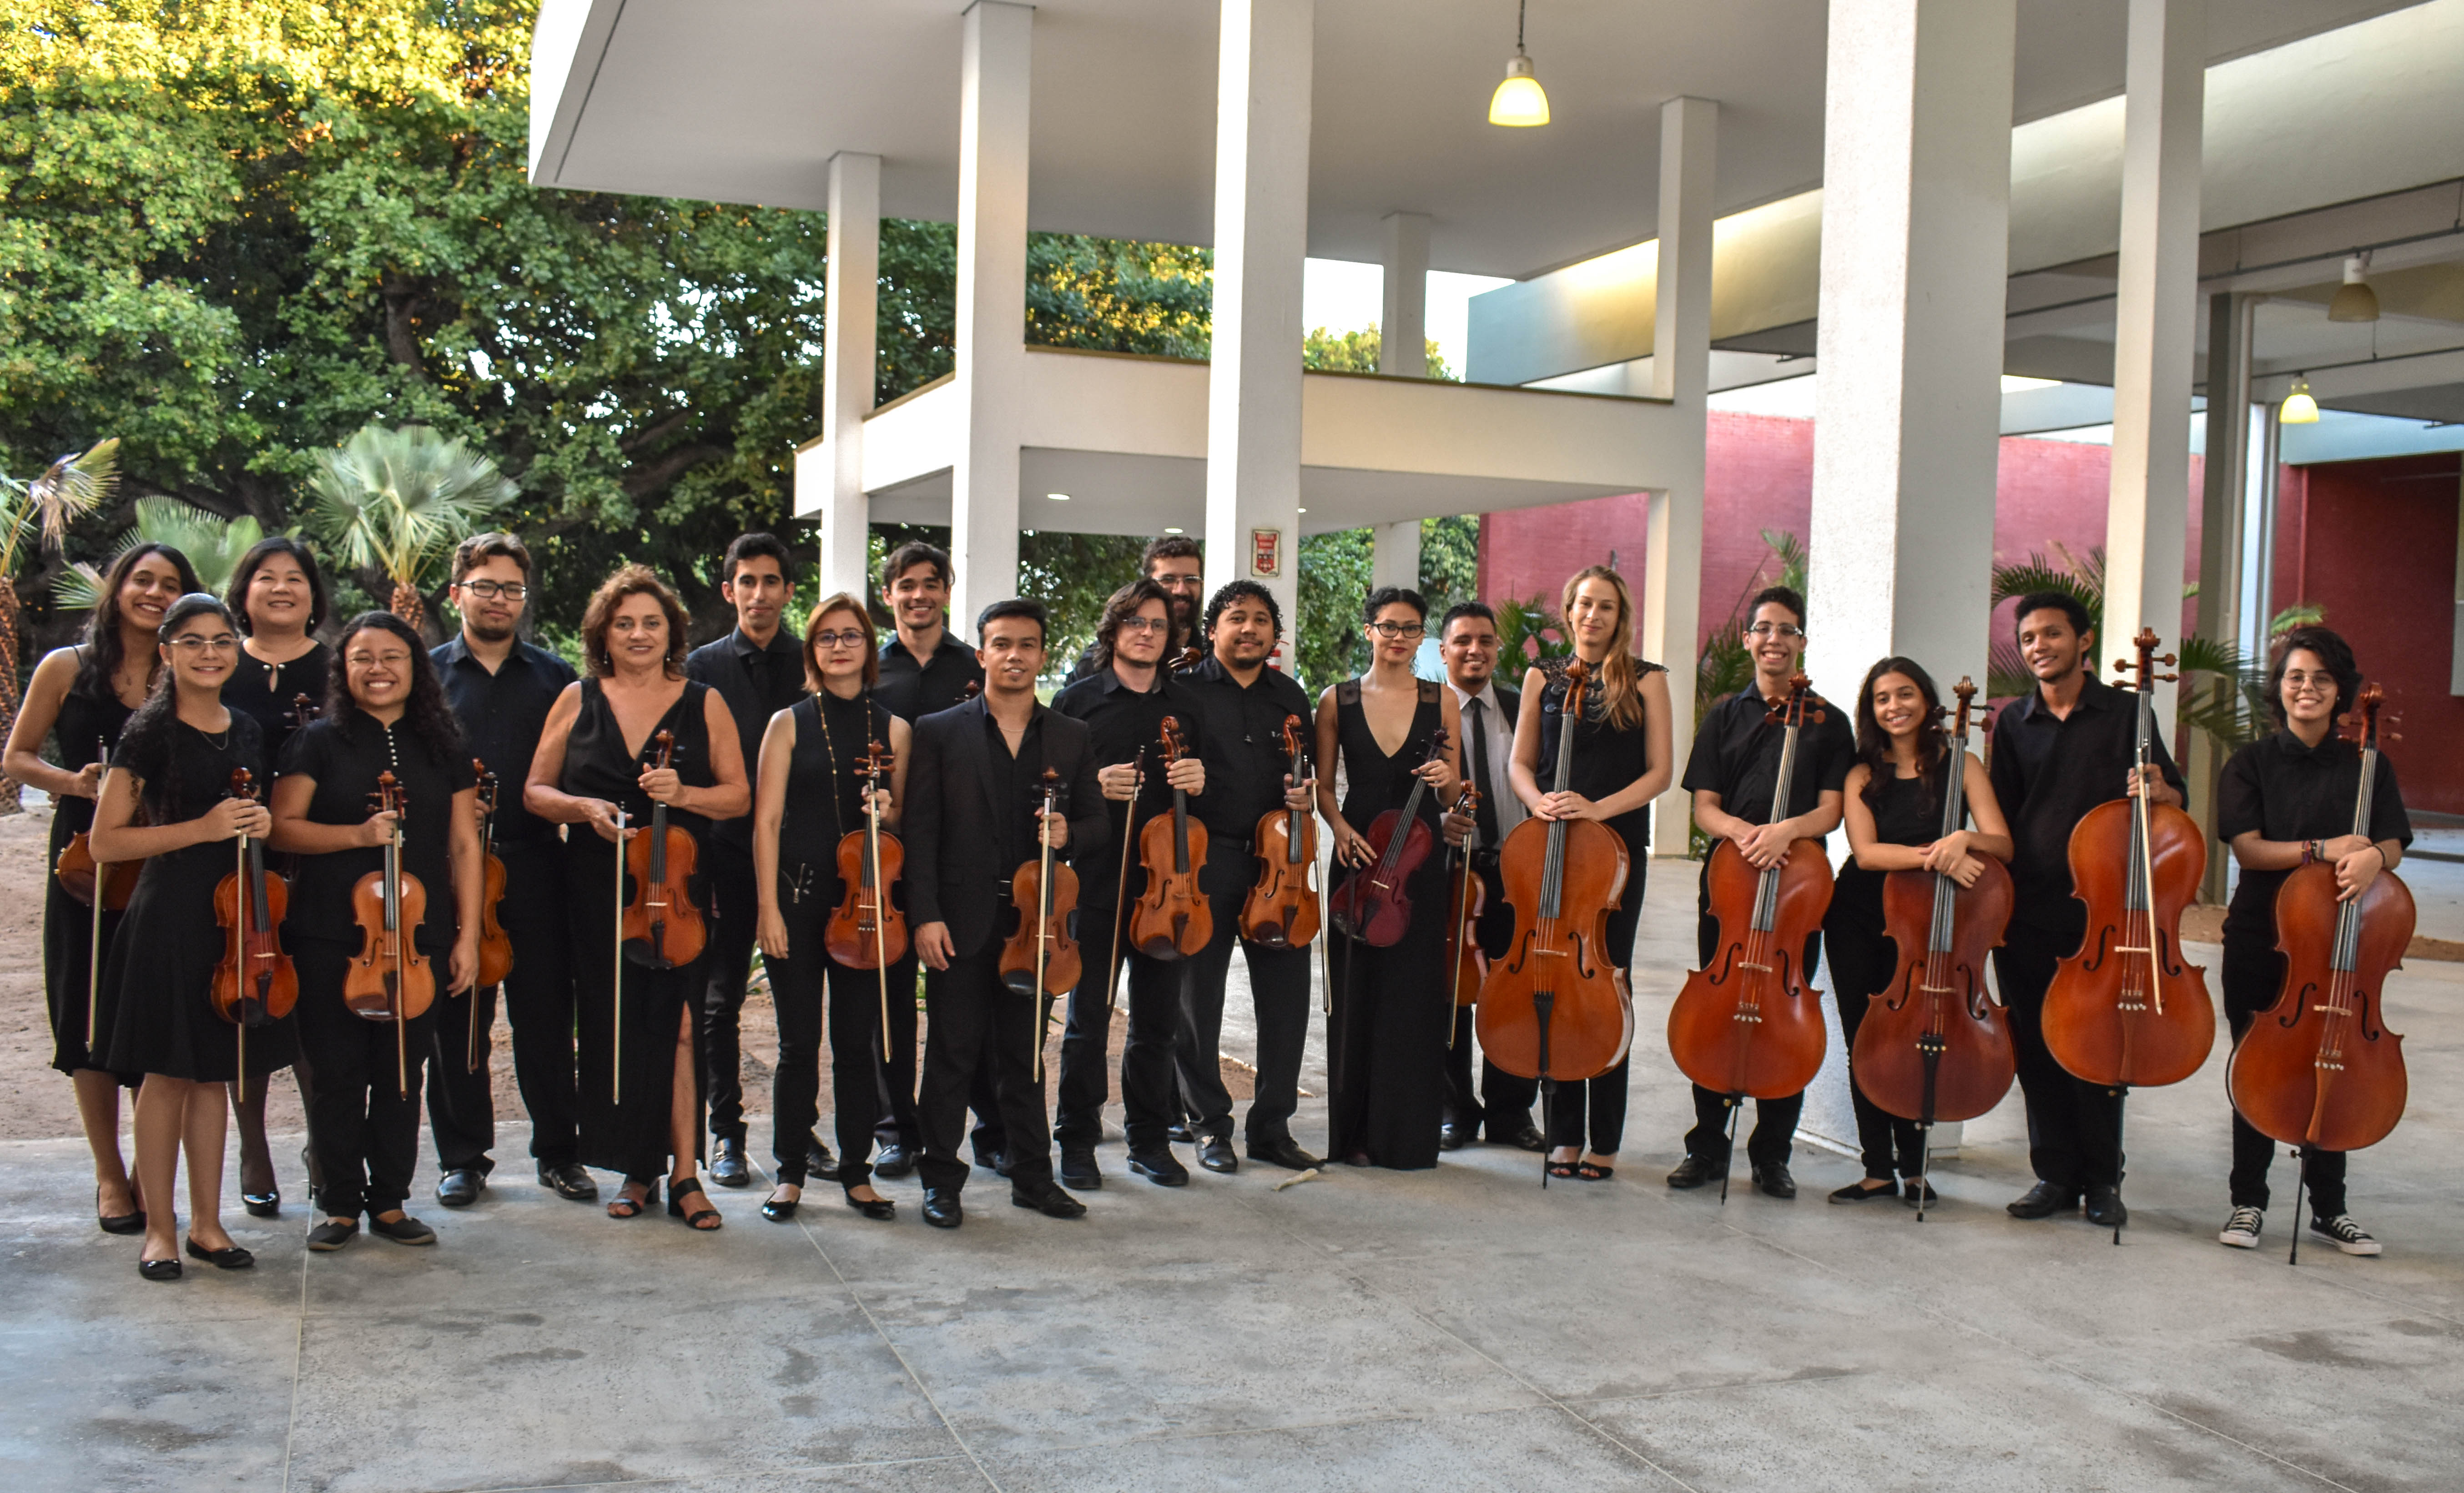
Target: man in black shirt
(1171, 561)
(972, 817)
(500, 689)
(1124, 706)
(759, 670)
(2068, 746)
(1733, 773)
(1242, 706)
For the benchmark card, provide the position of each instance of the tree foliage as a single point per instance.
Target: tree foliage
(1358, 352)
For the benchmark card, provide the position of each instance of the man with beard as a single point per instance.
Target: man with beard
(500, 689)
(1171, 561)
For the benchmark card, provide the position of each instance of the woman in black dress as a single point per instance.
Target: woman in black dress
(591, 764)
(279, 598)
(82, 697)
(810, 795)
(1894, 816)
(384, 711)
(2282, 803)
(1386, 1039)
(1621, 762)
(177, 757)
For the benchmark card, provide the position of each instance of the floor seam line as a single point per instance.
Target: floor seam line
(298, 1353)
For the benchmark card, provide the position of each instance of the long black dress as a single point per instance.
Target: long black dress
(270, 693)
(161, 966)
(1906, 811)
(624, 1127)
(88, 726)
(1387, 1037)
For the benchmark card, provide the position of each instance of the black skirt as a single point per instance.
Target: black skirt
(160, 976)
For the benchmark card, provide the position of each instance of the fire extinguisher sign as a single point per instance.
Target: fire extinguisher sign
(1266, 552)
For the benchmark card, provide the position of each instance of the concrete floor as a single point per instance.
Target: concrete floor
(1443, 1329)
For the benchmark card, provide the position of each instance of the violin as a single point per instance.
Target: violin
(1934, 1046)
(1172, 919)
(1041, 957)
(495, 950)
(2319, 1069)
(389, 979)
(1746, 1023)
(1281, 912)
(661, 927)
(1373, 903)
(77, 870)
(866, 932)
(1555, 1007)
(1467, 895)
(253, 982)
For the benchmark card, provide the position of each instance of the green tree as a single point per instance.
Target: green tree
(1356, 352)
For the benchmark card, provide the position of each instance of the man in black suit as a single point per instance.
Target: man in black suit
(973, 814)
(1467, 642)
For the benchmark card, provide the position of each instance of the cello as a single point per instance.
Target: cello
(495, 950)
(1040, 960)
(2319, 1070)
(661, 927)
(389, 979)
(1172, 919)
(866, 932)
(1934, 1046)
(1747, 1024)
(253, 982)
(2126, 1010)
(1374, 904)
(1281, 912)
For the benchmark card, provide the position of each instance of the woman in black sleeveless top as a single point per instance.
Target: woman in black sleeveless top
(1386, 1039)
(591, 762)
(81, 697)
(810, 795)
(1894, 818)
(1621, 761)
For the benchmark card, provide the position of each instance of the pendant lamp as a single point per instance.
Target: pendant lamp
(1519, 102)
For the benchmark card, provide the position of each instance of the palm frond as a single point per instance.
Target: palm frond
(397, 501)
(77, 588)
(2300, 614)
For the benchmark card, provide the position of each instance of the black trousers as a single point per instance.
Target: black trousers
(802, 985)
(1592, 1114)
(1146, 1056)
(1503, 1101)
(539, 1001)
(894, 1079)
(977, 1023)
(1862, 962)
(364, 1125)
(1279, 991)
(461, 1108)
(1774, 1119)
(727, 963)
(2074, 1127)
(2253, 978)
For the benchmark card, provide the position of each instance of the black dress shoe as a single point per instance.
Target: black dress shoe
(1526, 1138)
(2104, 1207)
(1078, 1168)
(1181, 1134)
(231, 1257)
(571, 1180)
(1452, 1136)
(1695, 1171)
(2043, 1201)
(779, 1210)
(727, 1166)
(159, 1269)
(894, 1161)
(1158, 1166)
(461, 1187)
(820, 1165)
(1052, 1202)
(881, 1208)
(332, 1234)
(267, 1204)
(1773, 1181)
(1216, 1154)
(405, 1230)
(1284, 1152)
(942, 1208)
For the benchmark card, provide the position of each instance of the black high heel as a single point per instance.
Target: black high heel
(633, 1207)
(267, 1204)
(117, 1223)
(880, 1209)
(681, 1188)
(229, 1257)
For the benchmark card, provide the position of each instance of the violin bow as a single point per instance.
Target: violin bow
(94, 936)
(1129, 827)
(616, 1059)
(880, 890)
(393, 893)
(239, 947)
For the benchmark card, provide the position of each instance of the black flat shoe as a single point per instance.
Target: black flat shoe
(117, 1223)
(405, 1230)
(1216, 1154)
(1909, 1192)
(1858, 1192)
(779, 1210)
(1052, 1204)
(1160, 1165)
(332, 1234)
(895, 1161)
(229, 1257)
(2043, 1201)
(266, 1204)
(159, 1269)
(942, 1208)
(727, 1166)
(880, 1209)
(571, 1181)
(690, 1187)
(1285, 1152)
(1694, 1172)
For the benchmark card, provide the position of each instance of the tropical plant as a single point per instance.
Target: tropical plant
(1526, 633)
(213, 545)
(2083, 580)
(1726, 665)
(391, 503)
(34, 517)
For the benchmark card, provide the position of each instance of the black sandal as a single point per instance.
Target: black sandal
(632, 1207)
(1593, 1171)
(678, 1192)
(1562, 1170)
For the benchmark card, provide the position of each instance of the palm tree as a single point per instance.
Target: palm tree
(393, 502)
(41, 511)
(212, 543)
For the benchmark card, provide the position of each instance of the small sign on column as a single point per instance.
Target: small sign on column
(1266, 551)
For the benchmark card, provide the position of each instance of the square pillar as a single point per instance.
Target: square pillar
(850, 297)
(2223, 504)
(995, 51)
(1253, 400)
(2155, 311)
(1395, 555)
(1670, 596)
(1403, 331)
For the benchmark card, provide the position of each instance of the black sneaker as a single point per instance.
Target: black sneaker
(2241, 1228)
(2347, 1235)
(405, 1230)
(332, 1234)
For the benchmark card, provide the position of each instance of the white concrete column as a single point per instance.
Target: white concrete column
(1670, 596)
(2223, 506)
(851, 296)
(1253, 402)
(2147, 522)
(1394, 560)
(992, 304)
(1916, 179)
(1403, 331)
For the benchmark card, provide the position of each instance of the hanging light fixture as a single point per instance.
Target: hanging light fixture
(2299, 408)
(2355, 300)
(1519, 102)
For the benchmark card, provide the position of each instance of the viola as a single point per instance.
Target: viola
(389, 979)
(1173, 918)
(495, 950)
(77, 870)
(1373, 903)
(2319, 1069)
(661, 927)
(1746, 1023)
(1555, 1006)
(1280, 911)
(867, 931)
(253, 982)
(1934, 1046)
(1468, 897)
(1042, 956)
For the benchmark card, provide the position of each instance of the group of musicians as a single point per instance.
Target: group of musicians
(769, 747)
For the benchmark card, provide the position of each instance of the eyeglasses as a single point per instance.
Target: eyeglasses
(394, 659)
(1782, 630)
(1146, 625)
(1390, 631)
(2297, 680)
(191, 645)
(490, 590)
(853, 638)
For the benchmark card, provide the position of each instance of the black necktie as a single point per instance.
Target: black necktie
(1486, 816)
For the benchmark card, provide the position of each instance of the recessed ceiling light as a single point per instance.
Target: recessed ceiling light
(1303, 509)
(1058, 497)
(1168, 529)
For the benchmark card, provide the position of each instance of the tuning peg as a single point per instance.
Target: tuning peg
(2168, 660)
(2124, 665)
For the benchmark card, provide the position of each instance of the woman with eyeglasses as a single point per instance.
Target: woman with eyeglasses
(384, 712)
(1386, 1038)
(810, 793)
(84, 695)
(176, 760)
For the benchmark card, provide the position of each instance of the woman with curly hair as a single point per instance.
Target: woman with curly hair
(593, 764)
(384, 712)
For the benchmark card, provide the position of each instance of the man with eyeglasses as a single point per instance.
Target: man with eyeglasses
(1171, 561)
(501, 689)
(1733, 774)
